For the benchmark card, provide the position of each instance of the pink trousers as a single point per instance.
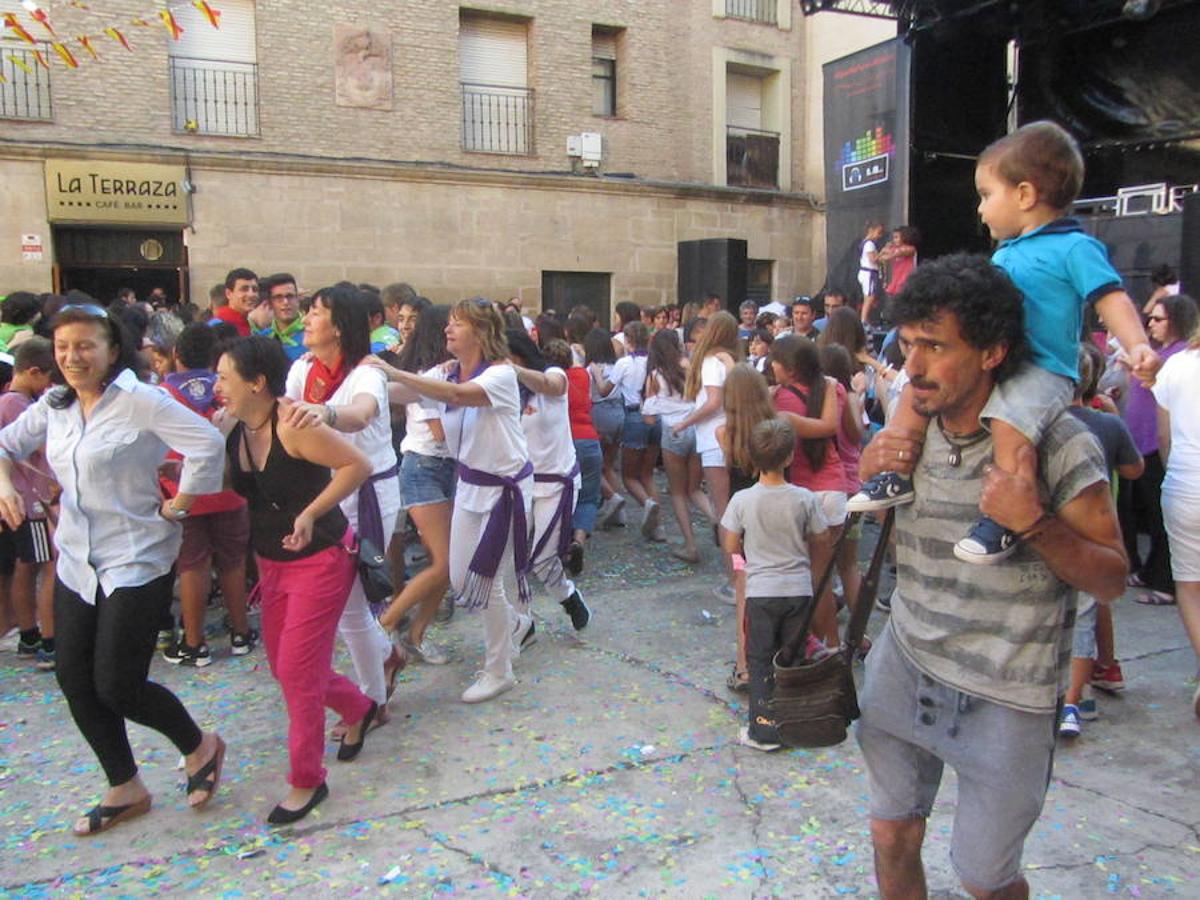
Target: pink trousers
(301, 604)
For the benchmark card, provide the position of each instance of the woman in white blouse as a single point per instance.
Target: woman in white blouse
(105, 435)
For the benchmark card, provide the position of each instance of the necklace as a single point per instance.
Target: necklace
(954, 457)
(260, 426)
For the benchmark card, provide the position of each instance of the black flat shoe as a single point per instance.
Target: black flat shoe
(348, 751)
(281, 815)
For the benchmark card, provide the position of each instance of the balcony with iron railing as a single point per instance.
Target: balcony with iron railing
(766, 11)
(211, 96)
(751, 157)
(25, 85)
(497, 119)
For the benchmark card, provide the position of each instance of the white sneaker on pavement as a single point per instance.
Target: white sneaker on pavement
(649, 519)
(427, 651)
(486, 687)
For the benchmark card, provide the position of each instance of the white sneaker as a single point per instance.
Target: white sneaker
(486, 687)
(618, 518)
(427, 651)
(606, 517)
(524, 635)
(746, 741)
(649, 519)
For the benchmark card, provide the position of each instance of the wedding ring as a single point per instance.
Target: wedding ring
(900, 455)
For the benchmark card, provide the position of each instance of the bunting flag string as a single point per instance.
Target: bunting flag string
(38, 13)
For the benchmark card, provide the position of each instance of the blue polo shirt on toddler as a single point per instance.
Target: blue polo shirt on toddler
(1059, 270)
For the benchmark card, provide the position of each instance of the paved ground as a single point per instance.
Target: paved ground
(611, 770)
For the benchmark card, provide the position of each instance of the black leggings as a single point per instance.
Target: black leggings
(103, 660)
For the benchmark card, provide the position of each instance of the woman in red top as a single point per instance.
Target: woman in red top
(587, 448)
(811, 403)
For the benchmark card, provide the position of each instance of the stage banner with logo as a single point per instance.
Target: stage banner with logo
(866, 153)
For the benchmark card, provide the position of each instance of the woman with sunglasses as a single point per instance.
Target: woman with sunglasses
(489, 534)
(105, 434)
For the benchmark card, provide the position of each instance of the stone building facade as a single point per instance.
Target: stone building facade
(340, 140)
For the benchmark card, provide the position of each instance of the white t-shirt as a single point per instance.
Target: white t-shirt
(865, 261)
(547, 428)
(629, 377)
(375, 441)
(1175, 391)
(488, 438)
(418, 438)
(712, 374)
(665, 403)
(606, 369)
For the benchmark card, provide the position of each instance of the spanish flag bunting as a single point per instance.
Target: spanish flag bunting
(66, 55)
(10, 21)
(118, 37)
(79, 4)
(21, 64)
(213, 15)
(40, 57)
(86, 43)
(168, 20)
(40, 16)
(3, 80)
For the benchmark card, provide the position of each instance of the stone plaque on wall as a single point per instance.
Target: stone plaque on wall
(362, 64)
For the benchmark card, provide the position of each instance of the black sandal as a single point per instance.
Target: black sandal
(101, 818)
(207, 777)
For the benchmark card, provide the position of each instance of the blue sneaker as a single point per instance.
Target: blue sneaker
(987, 544)
(46, 660)
(1068, 726)
(1087, 709)
(885, 490)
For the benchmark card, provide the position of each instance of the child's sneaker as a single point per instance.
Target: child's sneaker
(1109, 678)
(746, 741)
(1087, 705)
(28, 649)
(885, 490)
(46, 660)
(987, 544)
(1068, 726)
(180, 654)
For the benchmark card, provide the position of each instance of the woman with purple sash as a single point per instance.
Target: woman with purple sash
(489, 533)
(331, 385)
(545, 419)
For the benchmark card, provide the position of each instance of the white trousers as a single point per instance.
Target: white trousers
(499, 616)
(547, 567)
(368, 643)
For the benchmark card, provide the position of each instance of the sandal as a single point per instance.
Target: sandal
(101, 818)
(1134, 580)
(1155, 598)
(738, 682)
(207, 777)
(392, 667)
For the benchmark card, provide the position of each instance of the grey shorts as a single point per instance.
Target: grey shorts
(682, 444)
(1029, 400)
(1083, 642)
(912, 726)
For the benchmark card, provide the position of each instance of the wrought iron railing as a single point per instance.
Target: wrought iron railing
(212, 96)
(754, 10)
(751, 157)
(25, 89)
(497, 119)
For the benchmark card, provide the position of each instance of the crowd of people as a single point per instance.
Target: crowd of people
(280, 437)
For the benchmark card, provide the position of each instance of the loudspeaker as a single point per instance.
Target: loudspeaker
(713, 266)
(1189, 247)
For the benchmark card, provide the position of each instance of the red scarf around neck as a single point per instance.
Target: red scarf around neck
(322, 381)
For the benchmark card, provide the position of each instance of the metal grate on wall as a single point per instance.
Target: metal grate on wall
(25, 89)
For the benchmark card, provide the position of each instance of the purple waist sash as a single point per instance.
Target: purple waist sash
(562, 513)
(507, 516)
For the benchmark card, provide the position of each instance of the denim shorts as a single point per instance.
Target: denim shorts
(637, 434)
(608, 417)
(425, 480)
(1083, 641)
(682, 444)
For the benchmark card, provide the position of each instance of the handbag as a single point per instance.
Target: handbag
(815, 699)
(374, 571)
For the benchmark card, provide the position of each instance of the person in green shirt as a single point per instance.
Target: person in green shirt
(287, 325)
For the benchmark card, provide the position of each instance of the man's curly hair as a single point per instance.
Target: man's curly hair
(982, 297)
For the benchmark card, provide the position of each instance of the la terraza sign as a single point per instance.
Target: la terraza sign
(94, 191)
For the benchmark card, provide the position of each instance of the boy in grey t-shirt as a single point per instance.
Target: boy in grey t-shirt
(773, 525)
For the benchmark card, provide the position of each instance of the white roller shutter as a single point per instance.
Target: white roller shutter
(233, 41)
(743, 100)
(492, 51)
(604, 44)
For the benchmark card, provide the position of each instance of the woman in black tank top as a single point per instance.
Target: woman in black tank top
(293, 480)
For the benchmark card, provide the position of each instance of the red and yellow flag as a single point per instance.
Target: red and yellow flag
(66, 55)
(21, 64)
(168, 19)
(86, 43)
(40, 57)
(118, 37)
(10, 21)
(213, 15)
(40, 16)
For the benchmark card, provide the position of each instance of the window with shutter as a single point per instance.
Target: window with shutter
(214, 71)
(604, 71)
(497, 104)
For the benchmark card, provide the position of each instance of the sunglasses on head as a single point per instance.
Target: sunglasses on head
(89, 309)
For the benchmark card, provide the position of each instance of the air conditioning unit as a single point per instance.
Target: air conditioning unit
(574, 145)
(592, 145)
